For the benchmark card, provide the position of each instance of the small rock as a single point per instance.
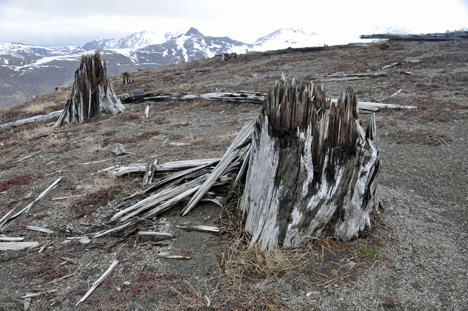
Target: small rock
(119, 149)
(138, 92)
(126, 283)
(314, 292)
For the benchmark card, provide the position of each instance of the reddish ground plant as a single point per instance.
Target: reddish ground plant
(19, 180)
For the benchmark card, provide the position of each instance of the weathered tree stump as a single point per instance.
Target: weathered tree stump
(126, 79)
(312, 169)
(92, 92)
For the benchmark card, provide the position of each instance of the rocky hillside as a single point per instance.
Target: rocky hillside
(414, 258)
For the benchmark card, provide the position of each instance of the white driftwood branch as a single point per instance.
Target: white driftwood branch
(99, 281)
(30, 295)
(17, 246)
(156, 234)
(40, 229)
(102, 233)
(29, 156)
(27, 208)
(174, 255)
(200, 228)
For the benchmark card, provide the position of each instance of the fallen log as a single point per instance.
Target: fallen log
(448, 36)
(259, 98)
(241, 97)
(42, 117)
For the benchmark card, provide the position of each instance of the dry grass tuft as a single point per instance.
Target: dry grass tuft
(105, 182)
(33, 132)
(244, 261)
(103, 190)
(53, 141)
(38, 108)
(188, 296)
(253, 263)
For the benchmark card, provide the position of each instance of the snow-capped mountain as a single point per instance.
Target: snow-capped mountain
(28, 70)
(288, 37)
(134, 41)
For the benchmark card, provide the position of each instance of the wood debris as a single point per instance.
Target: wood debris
(174, 255)
(17, 246)
(30, 295)
(29, 156)
(241, 97)
(11, 239)
(156, 234)
(40, 229)
(341, 76)
(99, 281)
(5, 222)
(200, 228)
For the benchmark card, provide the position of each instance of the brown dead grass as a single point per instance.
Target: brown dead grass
(39, 107)
(103, 189)
(33, 132)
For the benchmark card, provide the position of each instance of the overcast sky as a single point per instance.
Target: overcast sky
(69, 22)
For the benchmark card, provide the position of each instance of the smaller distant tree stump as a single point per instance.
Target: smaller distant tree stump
(126, 79)
(312, 169)
(92, 93)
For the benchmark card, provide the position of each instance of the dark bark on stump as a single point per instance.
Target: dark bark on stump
(126, 79)
(312, 169)
(92, 93)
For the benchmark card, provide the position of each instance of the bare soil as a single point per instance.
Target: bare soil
(414, 258)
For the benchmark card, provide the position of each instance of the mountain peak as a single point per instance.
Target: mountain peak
(193, 32)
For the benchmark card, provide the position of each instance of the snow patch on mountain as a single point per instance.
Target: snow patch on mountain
(288, 37)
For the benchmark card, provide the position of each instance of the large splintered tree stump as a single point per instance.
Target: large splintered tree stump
(92, 92)
(312, 169)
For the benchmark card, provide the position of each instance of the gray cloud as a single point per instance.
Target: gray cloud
(60, 22)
